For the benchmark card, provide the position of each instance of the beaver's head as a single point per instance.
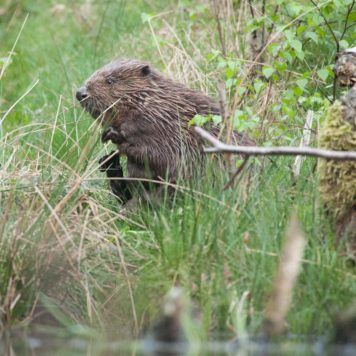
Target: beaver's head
(120, 83)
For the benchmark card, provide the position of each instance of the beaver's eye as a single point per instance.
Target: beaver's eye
(109, 81)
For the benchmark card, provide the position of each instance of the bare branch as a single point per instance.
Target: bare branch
(220, 147)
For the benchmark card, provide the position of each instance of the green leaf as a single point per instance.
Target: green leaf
(230, 82)
(344, 44)
(268, 71)
(287, 55)
(315, 20)
(289, 35)
(217, 119)
(323, 74)
(301, 29)
(258, 85)
(240, 90)
(298, 91)
(199, 120)
(313, 36)
(145, 17)
(281, 67)
(302, 83)
(229, 73)
(297, 45)
(294, 8)
(273, 48)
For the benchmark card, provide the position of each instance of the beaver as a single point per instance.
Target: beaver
(147, 116)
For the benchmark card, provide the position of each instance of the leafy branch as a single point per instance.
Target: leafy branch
(337, 40)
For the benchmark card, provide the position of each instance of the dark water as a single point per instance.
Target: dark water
(75, 346)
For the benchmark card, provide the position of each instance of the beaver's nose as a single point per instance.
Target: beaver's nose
(81, 93)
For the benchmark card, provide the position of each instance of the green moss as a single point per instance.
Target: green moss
(338, 178)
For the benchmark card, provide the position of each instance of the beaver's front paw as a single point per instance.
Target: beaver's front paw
(113, 135)
(111, 164)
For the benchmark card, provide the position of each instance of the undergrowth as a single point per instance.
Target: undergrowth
(66, 248)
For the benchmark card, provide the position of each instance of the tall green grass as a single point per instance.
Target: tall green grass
(65, 246)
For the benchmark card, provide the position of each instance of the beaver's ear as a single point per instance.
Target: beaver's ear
(145, 70)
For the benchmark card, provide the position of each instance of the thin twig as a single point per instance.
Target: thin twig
(216, 10)
(347, 19)
(220, 147)
(264, 26)
(235, 175)
(328, 25)
(334, 89)
(349, 26)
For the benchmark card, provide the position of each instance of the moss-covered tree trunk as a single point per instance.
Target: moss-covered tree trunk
(338, 178)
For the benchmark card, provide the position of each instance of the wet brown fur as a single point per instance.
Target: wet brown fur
(150, 114)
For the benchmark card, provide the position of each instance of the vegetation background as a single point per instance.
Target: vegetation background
(65, 248)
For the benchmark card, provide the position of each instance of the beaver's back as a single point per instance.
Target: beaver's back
(151, 113)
